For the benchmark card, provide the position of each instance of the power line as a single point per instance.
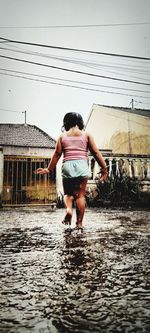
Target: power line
(74, 71)
(8, 110)
(144, 103)
(72, 59)
(75, 26)
(73, 49)
(88, 64)
(73, 81)
(73, 86)
(82, 62)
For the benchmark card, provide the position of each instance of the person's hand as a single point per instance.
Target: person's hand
(103, 178)
(41, 171)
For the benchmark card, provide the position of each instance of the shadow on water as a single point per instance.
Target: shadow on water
(55, 281)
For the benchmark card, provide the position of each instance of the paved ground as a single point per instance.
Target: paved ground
(53, 281)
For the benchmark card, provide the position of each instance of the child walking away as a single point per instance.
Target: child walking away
(74, 144)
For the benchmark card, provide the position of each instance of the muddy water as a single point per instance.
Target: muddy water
(54, 281)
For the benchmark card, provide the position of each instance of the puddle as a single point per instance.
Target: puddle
(54, 281)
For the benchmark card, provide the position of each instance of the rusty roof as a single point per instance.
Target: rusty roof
(24, 135)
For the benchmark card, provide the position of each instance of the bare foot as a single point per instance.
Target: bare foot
(67, 219)
(79, 225)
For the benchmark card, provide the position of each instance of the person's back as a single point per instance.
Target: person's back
(75, 156)
(74, 145)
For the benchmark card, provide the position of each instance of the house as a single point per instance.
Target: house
(24, 148)
(123, 137)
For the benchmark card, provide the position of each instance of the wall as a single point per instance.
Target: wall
(28, 151)
(59, 185)
(120, 131)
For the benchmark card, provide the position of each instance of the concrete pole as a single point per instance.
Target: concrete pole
(132, 104)
(1, 174)
(59, 186)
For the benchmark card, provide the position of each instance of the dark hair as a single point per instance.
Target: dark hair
(72, 119)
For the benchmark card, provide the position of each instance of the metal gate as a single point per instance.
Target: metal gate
(22, 186)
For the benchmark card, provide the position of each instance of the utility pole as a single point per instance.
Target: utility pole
(129, 128)
(132, 104)
(25, 117)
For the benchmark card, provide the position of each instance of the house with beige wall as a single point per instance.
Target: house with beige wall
(123, 136)
(122, 130)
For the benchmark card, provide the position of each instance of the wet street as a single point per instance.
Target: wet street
(53, 281)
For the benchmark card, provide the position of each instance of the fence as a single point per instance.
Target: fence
(22, 186)
(128, 182)
(136, 166)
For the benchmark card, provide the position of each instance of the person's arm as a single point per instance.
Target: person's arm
(55, 158)
(98, 156)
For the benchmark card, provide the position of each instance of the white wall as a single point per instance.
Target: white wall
(28, 151)
(59, 185)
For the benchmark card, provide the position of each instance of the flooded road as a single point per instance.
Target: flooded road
(60, 282)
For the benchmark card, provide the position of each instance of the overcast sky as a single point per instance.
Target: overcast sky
(120, 27)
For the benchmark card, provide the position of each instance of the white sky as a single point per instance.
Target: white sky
(46, 104)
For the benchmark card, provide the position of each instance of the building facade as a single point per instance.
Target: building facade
(24, 148)
(123, 137)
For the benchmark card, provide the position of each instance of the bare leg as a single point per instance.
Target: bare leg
(80, 203)
(68, 200)
(80, 209)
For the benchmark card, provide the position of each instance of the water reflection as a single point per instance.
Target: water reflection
(54, 281)
(74, 258)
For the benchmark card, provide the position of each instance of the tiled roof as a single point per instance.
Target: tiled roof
(24, 135)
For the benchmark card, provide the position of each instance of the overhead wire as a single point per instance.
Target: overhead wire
(73, 86)
(74, 71)
(76, 26)
(88, 64)
(68, 58)
(7, 110)
(75, 49)
(73, 81)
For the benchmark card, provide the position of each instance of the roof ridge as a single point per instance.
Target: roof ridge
(120, 107)
(42, 131)
(25, 135)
